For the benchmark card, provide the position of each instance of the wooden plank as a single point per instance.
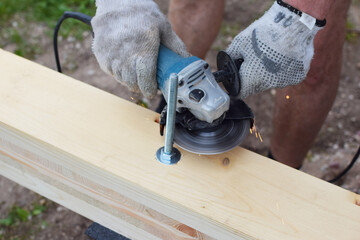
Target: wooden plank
(123, 216)
(95, 154)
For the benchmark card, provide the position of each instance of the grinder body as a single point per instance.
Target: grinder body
(198, 90)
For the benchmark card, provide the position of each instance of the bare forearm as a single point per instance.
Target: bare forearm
(316, 8)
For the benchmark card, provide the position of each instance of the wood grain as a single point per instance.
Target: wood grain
(95, 154)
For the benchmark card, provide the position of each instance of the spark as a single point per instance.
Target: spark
(257, 133)
(287, 97)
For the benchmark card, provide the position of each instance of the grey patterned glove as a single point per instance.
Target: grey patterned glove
(277, 50)
(127, 37)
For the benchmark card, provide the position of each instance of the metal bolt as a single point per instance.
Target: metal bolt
(168, 154)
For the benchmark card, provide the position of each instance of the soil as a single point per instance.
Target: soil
(335, 145)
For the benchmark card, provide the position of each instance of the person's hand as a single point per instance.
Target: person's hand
(277, 50)
(127, 36)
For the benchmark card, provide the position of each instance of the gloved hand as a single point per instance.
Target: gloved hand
(127, 36)
(277, 50)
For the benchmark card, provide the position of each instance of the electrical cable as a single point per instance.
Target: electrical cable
(347, 169)
(75, 15)
(87, 20)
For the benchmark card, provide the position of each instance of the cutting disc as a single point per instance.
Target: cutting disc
(212, 141)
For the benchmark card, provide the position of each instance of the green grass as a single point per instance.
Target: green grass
(351, 36)
(23, 221)
(23, 47)
(48, 11)
(142, 103)
(39, 12)
(16, 215)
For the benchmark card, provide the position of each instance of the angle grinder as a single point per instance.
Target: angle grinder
(207, 120)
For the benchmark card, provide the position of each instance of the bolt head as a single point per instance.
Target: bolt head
(168, 159)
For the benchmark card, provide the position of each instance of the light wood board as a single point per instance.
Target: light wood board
(95, 154)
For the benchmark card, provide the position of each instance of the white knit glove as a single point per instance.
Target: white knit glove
(277, 50)
(127, 36)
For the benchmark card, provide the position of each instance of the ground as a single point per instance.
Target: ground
(31, 216)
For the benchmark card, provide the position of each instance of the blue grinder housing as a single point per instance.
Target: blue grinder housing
(169, 62)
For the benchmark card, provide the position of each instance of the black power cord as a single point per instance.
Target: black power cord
(87, 19)
(347, 169)
(75, 15)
